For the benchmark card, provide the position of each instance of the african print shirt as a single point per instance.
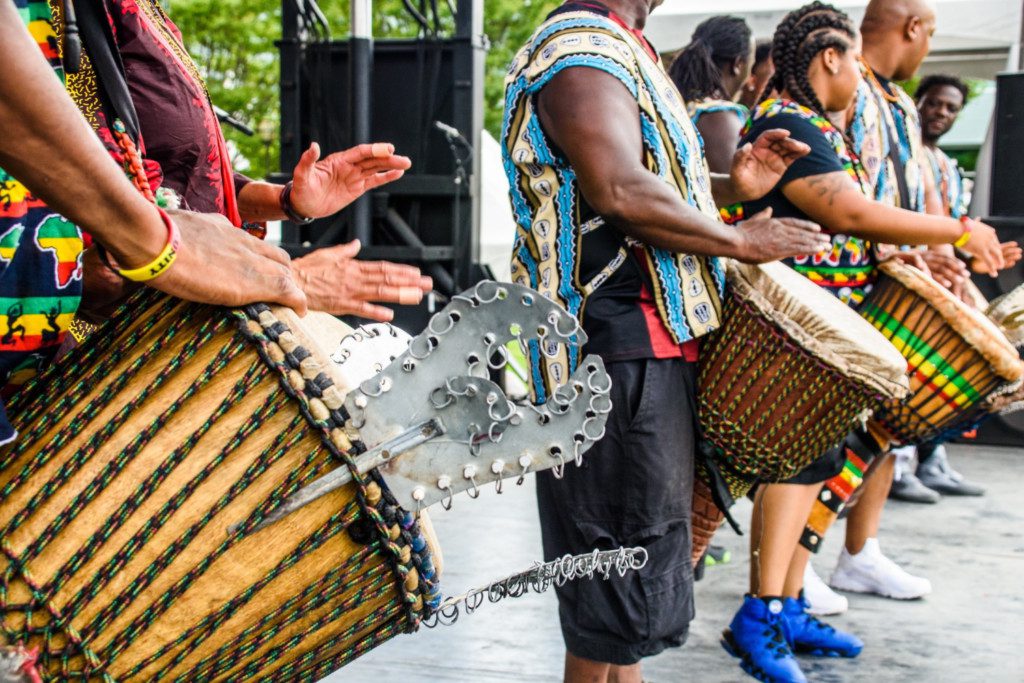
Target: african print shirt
(847, 268)
(711, 106)
(562, 248)
(873, 116)
(949, 182)
(40, 259)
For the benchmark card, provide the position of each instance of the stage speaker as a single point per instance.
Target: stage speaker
(1007, 217)
(1007, 200)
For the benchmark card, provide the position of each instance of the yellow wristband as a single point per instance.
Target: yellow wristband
(965, 237)
(164, 260)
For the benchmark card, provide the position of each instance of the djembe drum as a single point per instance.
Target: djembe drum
(958, 362)
(136, 506)
(785, 379)
(956, 356)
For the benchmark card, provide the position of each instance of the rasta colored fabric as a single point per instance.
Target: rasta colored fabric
(40, 267)
(882, 110)
(847, 269)
(949, 182)
(562, 248)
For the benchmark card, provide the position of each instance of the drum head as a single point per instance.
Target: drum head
(1008, 312)
(975, 328)
(822, 325)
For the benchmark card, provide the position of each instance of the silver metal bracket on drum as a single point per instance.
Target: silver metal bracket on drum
(436, 427)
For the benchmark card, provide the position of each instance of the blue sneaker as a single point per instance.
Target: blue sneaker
(806, 634)
(756, 638)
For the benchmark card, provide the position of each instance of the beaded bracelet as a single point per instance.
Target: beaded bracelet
(163, 261)
(286, 206)
(965, 237)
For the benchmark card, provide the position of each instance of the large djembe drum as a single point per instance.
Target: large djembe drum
(192, 497)
(957, 358)
(789, 374)
(960, 366)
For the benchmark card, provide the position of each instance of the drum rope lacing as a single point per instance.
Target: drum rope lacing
(77, 376)
(731, 419)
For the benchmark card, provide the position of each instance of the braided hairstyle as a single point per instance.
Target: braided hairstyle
(802, 36)
(715, 44)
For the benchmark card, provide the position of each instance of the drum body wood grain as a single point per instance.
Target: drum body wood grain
(135, 456)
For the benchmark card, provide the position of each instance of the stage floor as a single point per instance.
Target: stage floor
(970, 629)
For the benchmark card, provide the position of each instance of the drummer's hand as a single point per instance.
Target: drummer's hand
(219, 264)
(984, 246)
(335, 282)
(947, 270)
(767, 239)
(911, 258)
(759, 166)
(322, 187)
(1011, 257)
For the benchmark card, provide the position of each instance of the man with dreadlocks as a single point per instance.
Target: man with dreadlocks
(617, 219)
(816, 51)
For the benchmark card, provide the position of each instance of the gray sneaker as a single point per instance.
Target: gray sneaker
(907, 487)
(935, 472)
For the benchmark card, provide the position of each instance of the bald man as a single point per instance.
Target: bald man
(886, 132)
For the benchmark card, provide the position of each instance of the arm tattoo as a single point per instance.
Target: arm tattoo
(828, 186)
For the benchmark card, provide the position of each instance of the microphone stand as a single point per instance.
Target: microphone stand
(462, 151)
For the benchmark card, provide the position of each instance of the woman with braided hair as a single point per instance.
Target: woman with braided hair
(816, 50)
(709, 73)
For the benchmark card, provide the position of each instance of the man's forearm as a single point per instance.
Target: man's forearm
(259, 201)
(648, 210)
(54, 152)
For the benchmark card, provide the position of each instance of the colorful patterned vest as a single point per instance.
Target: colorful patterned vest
(552, 217)
(40, 257)
(847, 269)
(948, 182)
(874, 117)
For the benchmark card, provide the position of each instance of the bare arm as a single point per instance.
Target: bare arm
(593, 119)
(835, 201)
(322, 187)
(721, 133)
(55, 153)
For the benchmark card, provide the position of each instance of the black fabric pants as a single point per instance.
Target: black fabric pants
(633, 489)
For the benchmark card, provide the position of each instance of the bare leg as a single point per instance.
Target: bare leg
(625, 674)
(579, 670)
(865, 517)
(780, 514)
(795, 575)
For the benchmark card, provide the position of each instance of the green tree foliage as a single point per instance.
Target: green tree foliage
(232, 42)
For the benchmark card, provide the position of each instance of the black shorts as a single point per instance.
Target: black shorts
(821, 470)
(633, 489)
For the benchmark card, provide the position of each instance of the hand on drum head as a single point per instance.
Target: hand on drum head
(1011, 257)
(767, 239)
(946, 269)
(321, 187)
(219, 264)
(984, 246)
(335, 282)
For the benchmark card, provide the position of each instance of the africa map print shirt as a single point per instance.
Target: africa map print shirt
(40, 258)
(562, 248)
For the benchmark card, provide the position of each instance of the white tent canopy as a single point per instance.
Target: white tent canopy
(974, 38)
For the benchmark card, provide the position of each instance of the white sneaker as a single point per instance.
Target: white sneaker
(821, 600)
(869, 571)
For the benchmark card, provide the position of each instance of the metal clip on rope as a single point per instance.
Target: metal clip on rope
(539, 578)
